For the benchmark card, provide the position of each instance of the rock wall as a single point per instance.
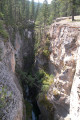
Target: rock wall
(65, 66)
(75, 91)
(12, 102)
(11, 55)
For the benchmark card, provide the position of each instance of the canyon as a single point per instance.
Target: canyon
(63, 63)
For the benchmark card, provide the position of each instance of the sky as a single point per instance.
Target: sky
(49, 1)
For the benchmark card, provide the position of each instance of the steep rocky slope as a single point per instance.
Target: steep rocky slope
(64, 64)
(64, 57)
(62, 61)
(11, 93)
(12, 54)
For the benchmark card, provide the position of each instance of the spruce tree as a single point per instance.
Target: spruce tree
(45, 11)
(73, 4)
(32, 10)
(37, 10)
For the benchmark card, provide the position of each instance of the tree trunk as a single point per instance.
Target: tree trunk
(73, 9)
(73, 14)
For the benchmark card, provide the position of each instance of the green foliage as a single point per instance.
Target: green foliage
(44, 50)
(28, 110)
(57, 8)
(3, 32)
(40, 79)
(25, 77)
(1, 15)
(46, 80)
(4, 97)
(45, 87)
(22, 74)
(46, 53)
(43, 101)
(1, 24)
(55, 92)
(31, 80)
(14, 12)
(21, 27)
(45, 11)
(32, 10)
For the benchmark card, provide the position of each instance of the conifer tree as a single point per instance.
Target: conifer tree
(73, 4)
(32, 10)
(37, 10)
(27, 9)
(45, 11)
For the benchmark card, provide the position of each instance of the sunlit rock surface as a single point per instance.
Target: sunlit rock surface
(12, 52)
(65, 65)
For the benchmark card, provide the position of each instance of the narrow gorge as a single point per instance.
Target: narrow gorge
(42, 83)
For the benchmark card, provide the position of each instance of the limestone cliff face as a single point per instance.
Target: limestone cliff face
(75, 91)
(10, 91)
(65, 65)
(12, 105)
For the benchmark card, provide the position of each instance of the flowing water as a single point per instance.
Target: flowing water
(35, 108)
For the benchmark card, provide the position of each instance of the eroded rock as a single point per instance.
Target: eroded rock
(64, 64)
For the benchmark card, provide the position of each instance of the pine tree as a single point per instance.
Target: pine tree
(73, 4)
(27, 9)
(37, 10)
(32, 10)
(45, 11)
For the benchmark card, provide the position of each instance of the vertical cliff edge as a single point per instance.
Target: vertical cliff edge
(13, 50)
(64, 64)
(62, 61)
(64, 57)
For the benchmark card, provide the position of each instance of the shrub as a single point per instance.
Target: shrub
(3, 32)
(25, 77)
(45, 88)
(1, 15)
(45, 102)
(55, 92)
(4, 99)
(31, 80)
(46, 53)
(47, 42)
(1, 24)
(46, 81)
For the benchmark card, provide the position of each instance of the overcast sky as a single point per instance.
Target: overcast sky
(49, 1)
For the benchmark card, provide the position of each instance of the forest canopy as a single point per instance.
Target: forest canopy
(17, 11)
